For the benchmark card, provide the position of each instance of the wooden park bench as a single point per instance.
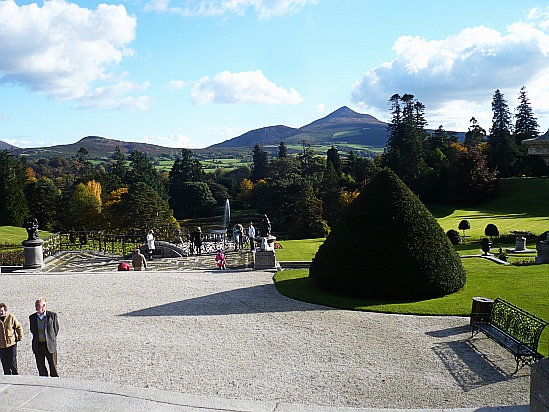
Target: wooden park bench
(513, 328)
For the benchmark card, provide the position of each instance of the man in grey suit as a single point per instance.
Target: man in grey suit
(44, 329)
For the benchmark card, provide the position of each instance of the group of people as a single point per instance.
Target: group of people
(238, 236)
(139, 262)
(44, 328)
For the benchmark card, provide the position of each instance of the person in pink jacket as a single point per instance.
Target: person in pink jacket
(220, 259)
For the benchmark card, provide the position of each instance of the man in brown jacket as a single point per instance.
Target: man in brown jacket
(138, 260)
(11, 332)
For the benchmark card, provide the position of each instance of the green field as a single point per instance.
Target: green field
(13, 236)
(523, 204)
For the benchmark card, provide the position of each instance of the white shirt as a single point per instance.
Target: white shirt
(150, 240)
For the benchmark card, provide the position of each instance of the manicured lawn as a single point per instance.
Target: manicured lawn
(521, 205)
(298, 249)
(11, 235)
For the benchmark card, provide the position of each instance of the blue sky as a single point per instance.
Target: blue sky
(191, 73)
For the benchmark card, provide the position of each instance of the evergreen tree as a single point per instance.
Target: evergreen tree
(475, 134)
(332, 156)
(526, 124)
(387, 212)
(404, 151)
(186, 168)
(527, 127)
(81, 164)
(261, 164)
(331, 194)
(120, 167)
(44, 198)
(282, 150)
(13, 204)
(502, 150)
(198, 200)
(142, 170)
(141, 208)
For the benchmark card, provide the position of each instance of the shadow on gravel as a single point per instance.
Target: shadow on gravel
(469, 367)
(256, 299)
(444, 333)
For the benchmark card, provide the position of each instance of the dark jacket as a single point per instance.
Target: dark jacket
(52, 328)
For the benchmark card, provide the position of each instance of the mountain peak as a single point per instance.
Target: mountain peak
(341, 116)
(343, 112)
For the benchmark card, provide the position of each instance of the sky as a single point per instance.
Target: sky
(192, 73)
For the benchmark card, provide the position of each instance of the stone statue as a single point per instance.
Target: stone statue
(265, 227)
(32, 228)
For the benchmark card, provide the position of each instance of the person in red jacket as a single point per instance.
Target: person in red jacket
(220, 259)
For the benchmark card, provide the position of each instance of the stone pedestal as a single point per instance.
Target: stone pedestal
(34, 255)
(543, 252)
(265, 260)
(539, 386)
(520, 243)
(266, 243)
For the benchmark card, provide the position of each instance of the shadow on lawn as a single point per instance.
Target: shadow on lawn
(303, 289)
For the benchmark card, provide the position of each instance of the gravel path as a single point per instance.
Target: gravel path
(231, 334)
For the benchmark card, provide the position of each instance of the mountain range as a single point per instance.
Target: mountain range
(341, 127)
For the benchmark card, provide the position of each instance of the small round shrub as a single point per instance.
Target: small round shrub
(491, 230)
(464, 225)
(454, 236)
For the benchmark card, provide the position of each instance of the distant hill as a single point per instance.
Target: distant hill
(341, 126)
(97, 147)
(6, 146)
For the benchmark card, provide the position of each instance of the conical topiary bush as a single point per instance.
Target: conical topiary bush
(388, 245)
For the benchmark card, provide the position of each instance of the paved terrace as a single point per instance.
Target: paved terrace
(184, 336)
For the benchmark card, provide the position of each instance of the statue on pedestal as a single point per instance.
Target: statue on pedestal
(32, 228)
(265, 227)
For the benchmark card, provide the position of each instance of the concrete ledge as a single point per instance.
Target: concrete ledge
(33, 393)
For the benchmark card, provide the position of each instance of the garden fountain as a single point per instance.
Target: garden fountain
(220, 235)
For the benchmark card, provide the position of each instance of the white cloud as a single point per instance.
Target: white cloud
(176, 84)
(115, 96)
(23, 142)
(243, 87)
(173, 140)
(225, 132)
(456, 77)
(211, 8)
(62, 49)
(4, 117)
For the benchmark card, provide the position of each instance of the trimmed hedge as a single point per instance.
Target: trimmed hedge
(388, 245)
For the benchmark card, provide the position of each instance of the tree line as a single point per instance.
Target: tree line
(304, 194)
